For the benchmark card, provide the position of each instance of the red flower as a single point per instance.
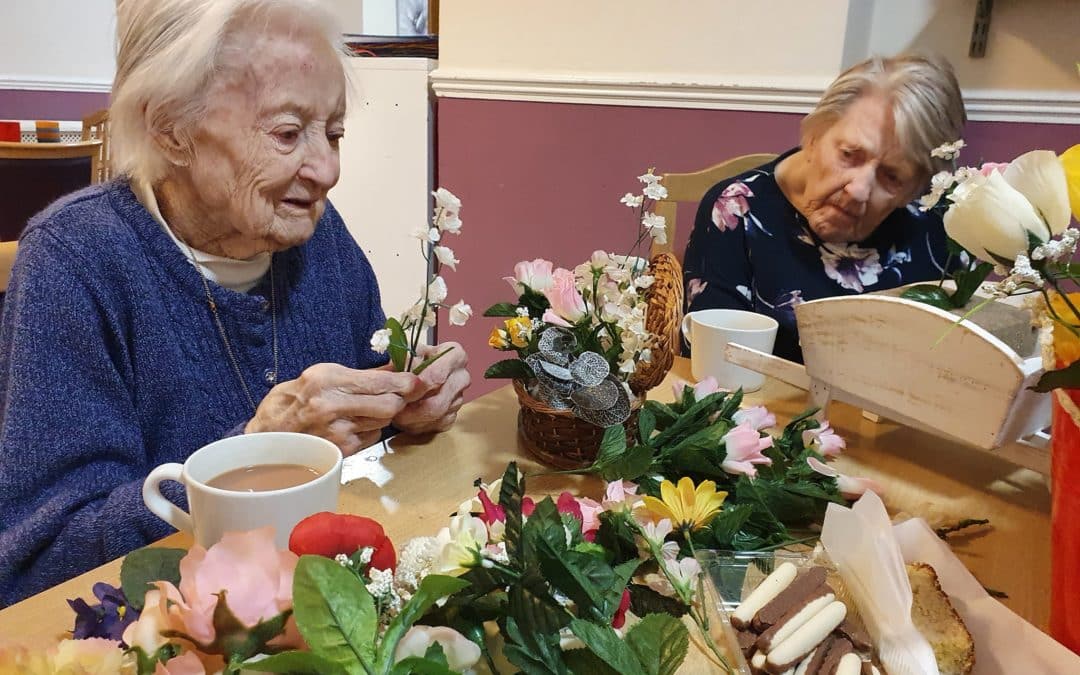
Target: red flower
(619, 619)
(330, 534)
(493, 513)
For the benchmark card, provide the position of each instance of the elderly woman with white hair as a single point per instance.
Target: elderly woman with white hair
(211, 290)
(833, 216)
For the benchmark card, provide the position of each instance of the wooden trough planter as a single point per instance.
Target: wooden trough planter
(911, 363)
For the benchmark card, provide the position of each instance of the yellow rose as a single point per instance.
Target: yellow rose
(520, 330)
(498, 339)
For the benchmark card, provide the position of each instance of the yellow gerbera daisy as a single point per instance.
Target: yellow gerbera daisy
(686, 506)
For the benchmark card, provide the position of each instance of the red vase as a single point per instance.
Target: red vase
(1065, 519)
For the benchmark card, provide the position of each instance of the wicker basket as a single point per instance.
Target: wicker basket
(558, 438)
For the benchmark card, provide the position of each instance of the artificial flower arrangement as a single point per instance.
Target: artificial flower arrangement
(579, 337)
(402, 336)
(1012, 219)
(773, 488)
(568, 585)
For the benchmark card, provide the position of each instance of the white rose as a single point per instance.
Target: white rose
(993, 217)
(460, 652)
(460, 313)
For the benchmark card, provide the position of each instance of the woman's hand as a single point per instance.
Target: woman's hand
(345, 406)
(446, 382)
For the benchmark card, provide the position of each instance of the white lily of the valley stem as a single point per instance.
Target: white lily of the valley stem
(991, 216)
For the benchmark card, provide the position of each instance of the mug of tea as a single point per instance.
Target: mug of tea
(710, 330)
(247, 482)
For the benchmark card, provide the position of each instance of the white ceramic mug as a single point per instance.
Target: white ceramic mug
(215, 511)
(710, 330)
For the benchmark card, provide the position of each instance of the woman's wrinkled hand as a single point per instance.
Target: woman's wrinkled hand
(446, 381)
(345, 406)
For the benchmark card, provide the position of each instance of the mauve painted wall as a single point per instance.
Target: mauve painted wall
(22, 104)
(544, 180)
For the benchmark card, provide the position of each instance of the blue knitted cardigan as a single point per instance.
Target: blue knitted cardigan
(110, 364)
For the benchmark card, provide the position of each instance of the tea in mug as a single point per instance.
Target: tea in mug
(264, 477)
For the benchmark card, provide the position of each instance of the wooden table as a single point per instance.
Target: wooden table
(922, 475)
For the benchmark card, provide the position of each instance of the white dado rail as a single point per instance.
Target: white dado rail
(764, 95)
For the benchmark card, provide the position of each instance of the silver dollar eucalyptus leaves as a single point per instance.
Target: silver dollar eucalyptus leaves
(583, 384)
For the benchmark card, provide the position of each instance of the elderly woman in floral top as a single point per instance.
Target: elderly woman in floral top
(834, 216)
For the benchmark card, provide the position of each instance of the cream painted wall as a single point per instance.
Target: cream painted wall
(785, 43)
(57, 44)
(691, 41)
(1033, 44)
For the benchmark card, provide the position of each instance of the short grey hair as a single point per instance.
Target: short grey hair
(168, 52)
(927, 106)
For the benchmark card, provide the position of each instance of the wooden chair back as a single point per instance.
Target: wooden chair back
(691, 187)
(96, 127)
(34, 175)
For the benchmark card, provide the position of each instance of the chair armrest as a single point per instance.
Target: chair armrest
(7, 259)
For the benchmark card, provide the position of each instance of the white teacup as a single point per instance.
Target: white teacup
(215, 511)
(710, 330)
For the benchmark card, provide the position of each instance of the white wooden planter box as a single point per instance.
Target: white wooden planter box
(912, 363)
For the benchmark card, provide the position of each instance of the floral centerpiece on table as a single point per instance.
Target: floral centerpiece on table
(580, 336)
(1012, 219)
(564, 585)
(403, 335)
(774, 488)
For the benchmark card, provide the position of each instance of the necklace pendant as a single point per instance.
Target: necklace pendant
(271, 376)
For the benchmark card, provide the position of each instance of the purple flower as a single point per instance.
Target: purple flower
(731, 206)
(107, 619)
(852, 267)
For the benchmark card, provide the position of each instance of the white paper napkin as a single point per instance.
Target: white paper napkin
(1005, 644)
(862, 545)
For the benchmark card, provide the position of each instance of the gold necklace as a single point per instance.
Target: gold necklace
(273, 374)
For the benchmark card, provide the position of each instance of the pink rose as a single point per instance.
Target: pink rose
(757, 417)
(584, 509)
(702, 389)
(991, 167)
(535, 275)
(564, 297)
(554, 319)
(743, 445)
(823, 441)
(619, 494)
(731, 206)
(851, 487)
(255, 576)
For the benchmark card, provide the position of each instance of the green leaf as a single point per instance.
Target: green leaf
(646, 424)
(531, 603)
(335, 613)
(930, 295)
(616, 535)
(968, 281)
(644, 601)
(432, 588)
(535, 653)
(660, 643)
(511, 495)
(612, 446)
(507, 309)
(1062, 378)
(728, 523)
(515, 369)
(146, 565)
(594, 586)
(608, 646)
(398, 349)
(631, 465)
(295, 662)
(586, 662)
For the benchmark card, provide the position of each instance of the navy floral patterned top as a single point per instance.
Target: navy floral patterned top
(751, 249)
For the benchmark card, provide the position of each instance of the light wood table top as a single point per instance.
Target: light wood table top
(922, 475)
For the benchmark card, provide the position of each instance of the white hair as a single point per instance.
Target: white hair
(168, 53)
(927, 106)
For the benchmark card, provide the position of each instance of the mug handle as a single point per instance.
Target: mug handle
(156, 502)
(686, 329)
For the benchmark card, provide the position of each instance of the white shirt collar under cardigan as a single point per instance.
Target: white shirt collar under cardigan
(236, 275)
